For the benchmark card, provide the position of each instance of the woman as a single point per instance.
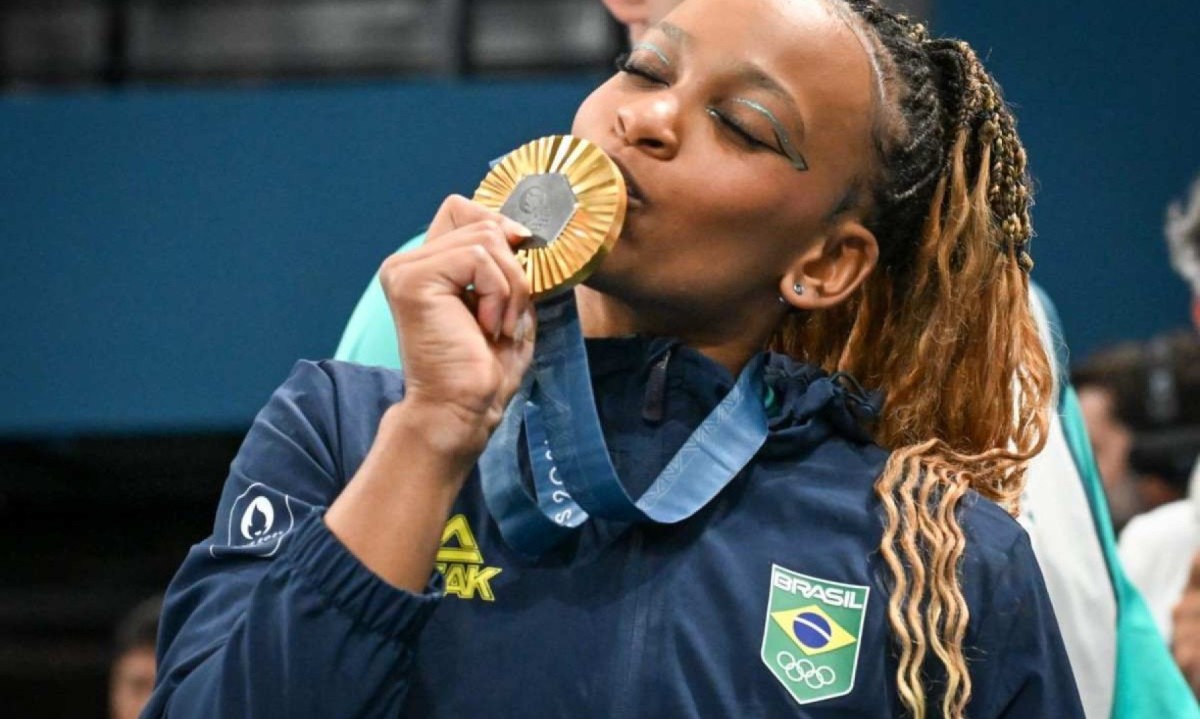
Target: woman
(817, 177)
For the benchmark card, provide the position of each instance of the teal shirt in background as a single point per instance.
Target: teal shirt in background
(370, 335)
(1147, 685)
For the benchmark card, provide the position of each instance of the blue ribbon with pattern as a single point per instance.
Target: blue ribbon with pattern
(573, 474)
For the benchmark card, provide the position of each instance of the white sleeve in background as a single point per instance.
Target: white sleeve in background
(1157, 549)
(1056, 514)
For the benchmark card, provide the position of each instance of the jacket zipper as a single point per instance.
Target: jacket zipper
(626, 688)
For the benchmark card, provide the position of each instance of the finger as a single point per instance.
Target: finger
(515, 355)
(457, 212)
(465, 235)
(491, 236)
(517, 300)
(408, 285)
(526, 332)
(475, 267)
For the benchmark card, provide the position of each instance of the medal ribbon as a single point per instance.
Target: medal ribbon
(573, 474)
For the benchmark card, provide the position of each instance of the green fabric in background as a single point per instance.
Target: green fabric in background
(370, 335)
(1149, 684)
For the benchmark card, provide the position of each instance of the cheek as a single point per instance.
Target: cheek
(757, 204)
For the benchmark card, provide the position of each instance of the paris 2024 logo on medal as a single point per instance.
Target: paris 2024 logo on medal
(812, 635)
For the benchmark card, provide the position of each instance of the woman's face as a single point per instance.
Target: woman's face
(741, 124)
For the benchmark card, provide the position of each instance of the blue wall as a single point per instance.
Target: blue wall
(1108, 101)
(168, 255)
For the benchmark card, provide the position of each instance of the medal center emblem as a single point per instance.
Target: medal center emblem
(545, 204)
(572, 198)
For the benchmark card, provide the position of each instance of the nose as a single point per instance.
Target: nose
(650, 124)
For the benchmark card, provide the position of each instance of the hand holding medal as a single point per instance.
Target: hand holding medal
(571, 198)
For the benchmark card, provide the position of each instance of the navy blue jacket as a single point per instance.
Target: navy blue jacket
(730, 613)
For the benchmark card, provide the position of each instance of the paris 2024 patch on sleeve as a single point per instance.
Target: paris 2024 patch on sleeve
(257, 523)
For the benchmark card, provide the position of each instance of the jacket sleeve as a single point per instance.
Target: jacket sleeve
(1026, 672)
(271, 616)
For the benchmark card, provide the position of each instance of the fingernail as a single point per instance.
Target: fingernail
(524, 329)
(520, 230)
(498, 323)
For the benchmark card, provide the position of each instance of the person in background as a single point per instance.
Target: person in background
(1141, 403)
(1118, 659)
(131, 679)
(1160, 548)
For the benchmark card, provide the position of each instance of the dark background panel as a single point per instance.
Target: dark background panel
(89, 526)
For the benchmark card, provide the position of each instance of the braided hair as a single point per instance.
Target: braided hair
(943, 325)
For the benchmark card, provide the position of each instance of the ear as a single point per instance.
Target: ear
(633, 14)
(832, 268)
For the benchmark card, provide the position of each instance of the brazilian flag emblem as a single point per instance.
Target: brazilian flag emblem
(811, 638)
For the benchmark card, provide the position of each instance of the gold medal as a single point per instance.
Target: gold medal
(570, 195)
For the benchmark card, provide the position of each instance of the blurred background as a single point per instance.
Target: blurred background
(194, 194)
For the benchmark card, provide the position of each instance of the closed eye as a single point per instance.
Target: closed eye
(740, 132)
(627, 65)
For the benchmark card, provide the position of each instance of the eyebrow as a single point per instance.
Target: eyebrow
(674, 33)
(652, 48)
(754, 76)
(785, 140)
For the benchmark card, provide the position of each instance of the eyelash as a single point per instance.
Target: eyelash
(738, 130)
(626, 65)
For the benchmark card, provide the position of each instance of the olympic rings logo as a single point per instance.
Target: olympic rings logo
(802, 670)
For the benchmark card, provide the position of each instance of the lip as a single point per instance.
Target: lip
(632, 189)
